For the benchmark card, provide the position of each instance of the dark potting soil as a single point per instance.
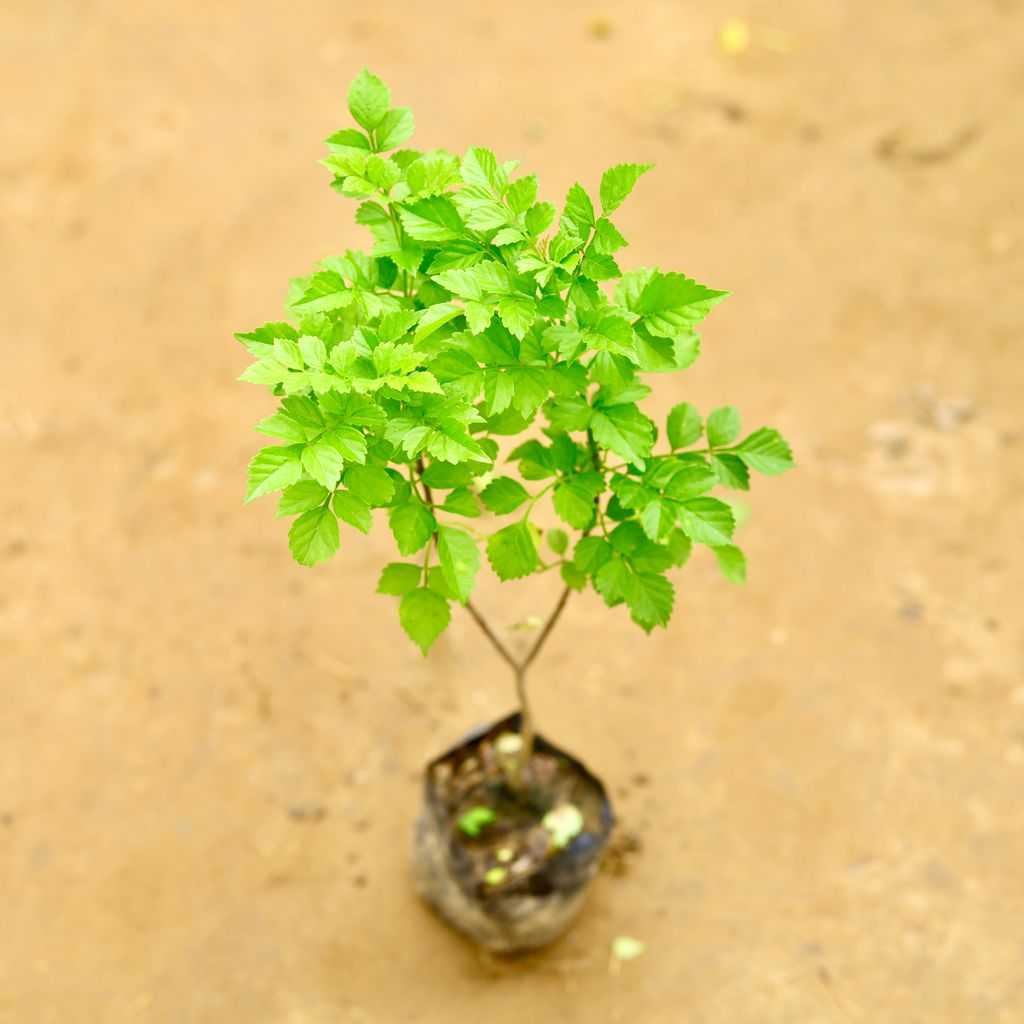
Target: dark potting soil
(514, 846)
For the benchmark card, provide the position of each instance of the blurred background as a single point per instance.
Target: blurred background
(210, 757)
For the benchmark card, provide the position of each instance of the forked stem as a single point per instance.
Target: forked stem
(527, 729)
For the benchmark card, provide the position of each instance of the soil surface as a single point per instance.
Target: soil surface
(210, 758)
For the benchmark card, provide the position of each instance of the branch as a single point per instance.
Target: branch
(490, 634)
(548, 626)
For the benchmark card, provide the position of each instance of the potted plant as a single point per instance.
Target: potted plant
(483, 314)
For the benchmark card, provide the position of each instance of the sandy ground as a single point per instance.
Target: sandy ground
(209, 757)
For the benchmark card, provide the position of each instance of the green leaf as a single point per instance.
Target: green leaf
(301, 497)
(434, 219)
(671, 303)
(353, 510)
(371, 484)
(395, 127)
(460, 560)
(613, 580)
(617, 182)
(591, 553)
(707, 521)
(766, 452)
(348, 442)
(650, 599)
(313, 537)
(476, 819)
(517, 313)
(684, 426)
(539, 217)
(732, 562)
(461, 502)
(424, 615)
(512, 551)
(575, 496)
(690, 480)
(503, 495)
(480, 167)
(368, 99)
(323, 462)
(679, 546)
(578, 213)
(273, 469)
(313, 351)
(624, 430)
(398, 578)
(573, 577)
(731, 471)
(412, 524)
(558, 541)
(723, 426)
(657, 518)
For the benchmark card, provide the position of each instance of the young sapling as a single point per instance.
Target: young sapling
(487, 359)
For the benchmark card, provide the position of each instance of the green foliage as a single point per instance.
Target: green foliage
(483, 312)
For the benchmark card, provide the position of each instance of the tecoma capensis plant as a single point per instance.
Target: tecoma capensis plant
(484, 315)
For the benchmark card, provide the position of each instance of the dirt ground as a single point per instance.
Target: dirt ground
(209, 757)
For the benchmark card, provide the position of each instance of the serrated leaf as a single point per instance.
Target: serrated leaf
(517, 313)
(591, 553)
(608, 238)
(314, 536)
(617, 182)
(370, 483)
(684, 426)
(657, 518)
(461, 502)
(435, 318)
(424, 615)
(707, 521)
(723, 426)
(539, 218)
(766, 451)
(480, 167)
(732, 562)
(353, 510)
(368, 99)
(731, 471)
(624, 430)
(650, 599)
(395, 127)
(434, 219)
(512, 551)
(578, 212)
(671, 303)
(572, 576)
(272, 469)
(690, 480)
(460, 560)
(313, 351)
(679, 546)
(300, 497)
(575, 496)
(599, 266)
(281, 425)
(412, 524)
(323, 462)
(503, 495)
(612, 580)
(348, 442)
(398, 578)
(478, 316)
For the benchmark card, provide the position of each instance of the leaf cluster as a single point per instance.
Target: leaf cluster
(482, 313)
